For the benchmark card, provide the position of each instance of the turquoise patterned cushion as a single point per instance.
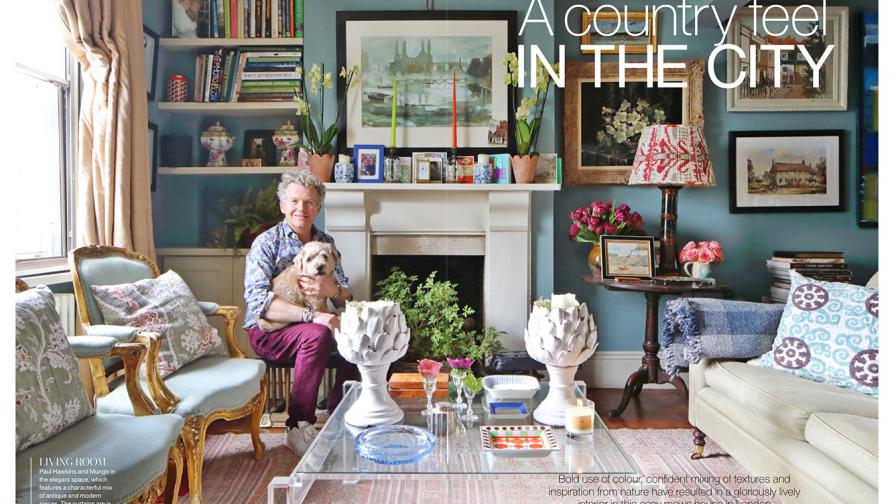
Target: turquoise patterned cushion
(49, 393)
(828, 333)
(164, 305)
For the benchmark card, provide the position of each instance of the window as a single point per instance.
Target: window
(44, 99)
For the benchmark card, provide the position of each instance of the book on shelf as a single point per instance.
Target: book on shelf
(807, 254)
(802, 264)
(238, 19)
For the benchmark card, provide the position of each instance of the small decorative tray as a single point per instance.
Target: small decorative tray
(502, 387)
(507, 411)
(394, 444)
(518, 440)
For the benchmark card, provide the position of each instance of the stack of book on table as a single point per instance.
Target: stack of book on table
(411, 385)
(825, 266)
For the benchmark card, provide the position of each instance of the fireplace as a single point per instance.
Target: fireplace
(407, 223)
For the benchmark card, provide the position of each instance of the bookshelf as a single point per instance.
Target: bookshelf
(231, 108)
(190, 44)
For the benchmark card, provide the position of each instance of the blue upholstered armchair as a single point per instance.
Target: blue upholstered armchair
(211, 388)
(55, 420)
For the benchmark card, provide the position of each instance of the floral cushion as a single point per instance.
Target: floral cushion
(828, 333)
(49, 393)
(164, 305)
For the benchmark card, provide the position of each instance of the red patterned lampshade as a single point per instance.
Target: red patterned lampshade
(672, 155)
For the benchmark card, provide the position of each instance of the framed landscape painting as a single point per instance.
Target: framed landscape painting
(796, 91)
(426, 52)
(627, 257)
(786, 171)
(603, 124)
(868, 182)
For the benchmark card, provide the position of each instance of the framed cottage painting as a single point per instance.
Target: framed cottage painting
(425, 51)
(796, 91)
(603, 124)
(786, 171)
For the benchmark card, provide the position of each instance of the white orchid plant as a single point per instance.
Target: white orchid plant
(316, 139)
(528, 109)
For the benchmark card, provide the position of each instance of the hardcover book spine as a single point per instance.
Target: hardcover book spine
(226, 7)
(257, 66)
(214, 92)
(284, 75)
(213, 16)
(300, 18)
(234, 96)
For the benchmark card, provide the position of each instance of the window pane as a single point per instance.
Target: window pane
(38, 159)
(37, 31)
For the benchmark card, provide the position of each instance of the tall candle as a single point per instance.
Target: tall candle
(394, 106)
(454, 111)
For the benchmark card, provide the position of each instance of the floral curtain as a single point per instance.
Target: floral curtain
(112, 180)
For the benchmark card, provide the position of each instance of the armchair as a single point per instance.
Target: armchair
(142, 472)
(212, 388)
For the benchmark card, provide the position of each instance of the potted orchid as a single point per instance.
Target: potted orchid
(696, 257)
(316, 139)
(529, 111)
(602, 218)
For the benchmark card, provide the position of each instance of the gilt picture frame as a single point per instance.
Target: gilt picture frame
(600, 133)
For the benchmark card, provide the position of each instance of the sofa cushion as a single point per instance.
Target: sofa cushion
(164, 305)
(49, 393)
(828, 333)
(848, 439)
(134, 450)
(209, 384)
(786, 400)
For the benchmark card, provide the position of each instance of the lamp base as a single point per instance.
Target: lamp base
(668, 223)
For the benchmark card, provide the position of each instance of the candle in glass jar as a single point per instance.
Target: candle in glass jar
(580, 418)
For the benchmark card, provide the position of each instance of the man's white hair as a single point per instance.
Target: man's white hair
(303, 178)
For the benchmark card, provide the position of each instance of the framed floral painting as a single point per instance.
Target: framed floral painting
(603, 124)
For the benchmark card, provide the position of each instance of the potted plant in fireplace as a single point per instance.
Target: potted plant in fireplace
(436, 319)
(317, 138)
(529, 111)
(602, 218)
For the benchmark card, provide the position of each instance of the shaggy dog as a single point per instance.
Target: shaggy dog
(315, 259)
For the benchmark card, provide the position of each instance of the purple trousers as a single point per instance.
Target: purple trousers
(308, 346)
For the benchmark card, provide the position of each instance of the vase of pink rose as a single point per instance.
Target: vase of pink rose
(696, 258)
(600, 218)
(460, 368)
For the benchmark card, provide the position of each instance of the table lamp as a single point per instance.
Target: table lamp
(671, 156)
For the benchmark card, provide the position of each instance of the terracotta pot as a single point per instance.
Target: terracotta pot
(594, 260)
(524, 168)
(322, 166)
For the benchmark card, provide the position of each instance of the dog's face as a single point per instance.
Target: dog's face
(316, 259)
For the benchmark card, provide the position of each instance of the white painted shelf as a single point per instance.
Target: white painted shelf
(188, 44)
(225, 170)
(331, 186)
(231, 108)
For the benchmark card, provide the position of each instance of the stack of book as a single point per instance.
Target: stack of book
(249, 18)
(231, 75)
(411, 385)
(825, 266)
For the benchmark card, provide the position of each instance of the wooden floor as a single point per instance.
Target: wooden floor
(654, 409)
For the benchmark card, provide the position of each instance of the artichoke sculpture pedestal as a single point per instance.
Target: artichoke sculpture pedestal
(373, 335)
(561, 335)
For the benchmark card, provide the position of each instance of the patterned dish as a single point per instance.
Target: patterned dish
(518, 440)
(394, 444)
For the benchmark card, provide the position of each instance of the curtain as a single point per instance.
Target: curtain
(112, 180)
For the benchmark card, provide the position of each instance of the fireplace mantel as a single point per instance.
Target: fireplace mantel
(465, 219)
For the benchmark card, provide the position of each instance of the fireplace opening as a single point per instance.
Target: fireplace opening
(466, 271)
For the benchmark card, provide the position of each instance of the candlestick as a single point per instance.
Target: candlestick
(394, 106)
(580, 418)
(454, 111)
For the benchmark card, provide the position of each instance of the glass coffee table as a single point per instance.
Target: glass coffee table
(332, 456)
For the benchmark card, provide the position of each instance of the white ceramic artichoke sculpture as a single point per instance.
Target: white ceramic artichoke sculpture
(373, 334)
(561, 335)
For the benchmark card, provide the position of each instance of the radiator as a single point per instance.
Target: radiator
(65, 305)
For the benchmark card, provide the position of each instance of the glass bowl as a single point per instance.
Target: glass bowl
(394, 444)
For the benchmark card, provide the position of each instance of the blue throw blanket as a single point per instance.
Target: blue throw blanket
(716, 328)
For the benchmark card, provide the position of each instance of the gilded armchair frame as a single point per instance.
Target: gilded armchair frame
(195, 427)
(131, 354)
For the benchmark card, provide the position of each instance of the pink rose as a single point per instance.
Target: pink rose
(706, 256)
(637, 220)
(623, 208)
(461, 363)
(573, 231)
(620, 216)
(690, 255)
(429, 368)
(716, 248)
(609, 229)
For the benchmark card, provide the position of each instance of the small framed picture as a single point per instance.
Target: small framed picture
(259, 144)
(405, 173)
(151, 60)
(428, 166)
(546, 169)
(369, 163)
(152, 145)
(786, 171)
(626, 257)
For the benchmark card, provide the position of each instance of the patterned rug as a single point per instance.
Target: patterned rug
(232, 476)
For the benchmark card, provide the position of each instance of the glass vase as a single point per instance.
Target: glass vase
(457, 377)
(429, 386)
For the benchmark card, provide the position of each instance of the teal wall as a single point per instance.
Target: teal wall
(180, 204)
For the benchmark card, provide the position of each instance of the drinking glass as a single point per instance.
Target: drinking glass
(457, 377)
(429, 386)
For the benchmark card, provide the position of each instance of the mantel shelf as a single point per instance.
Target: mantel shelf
(230, 108)
(188, 44)
(223, 170)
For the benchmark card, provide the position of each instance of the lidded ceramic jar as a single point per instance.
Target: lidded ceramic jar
(218, 141)
(286, 138)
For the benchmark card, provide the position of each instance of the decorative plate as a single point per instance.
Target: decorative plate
(394, 444)
(508, 411)
(518, 440)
